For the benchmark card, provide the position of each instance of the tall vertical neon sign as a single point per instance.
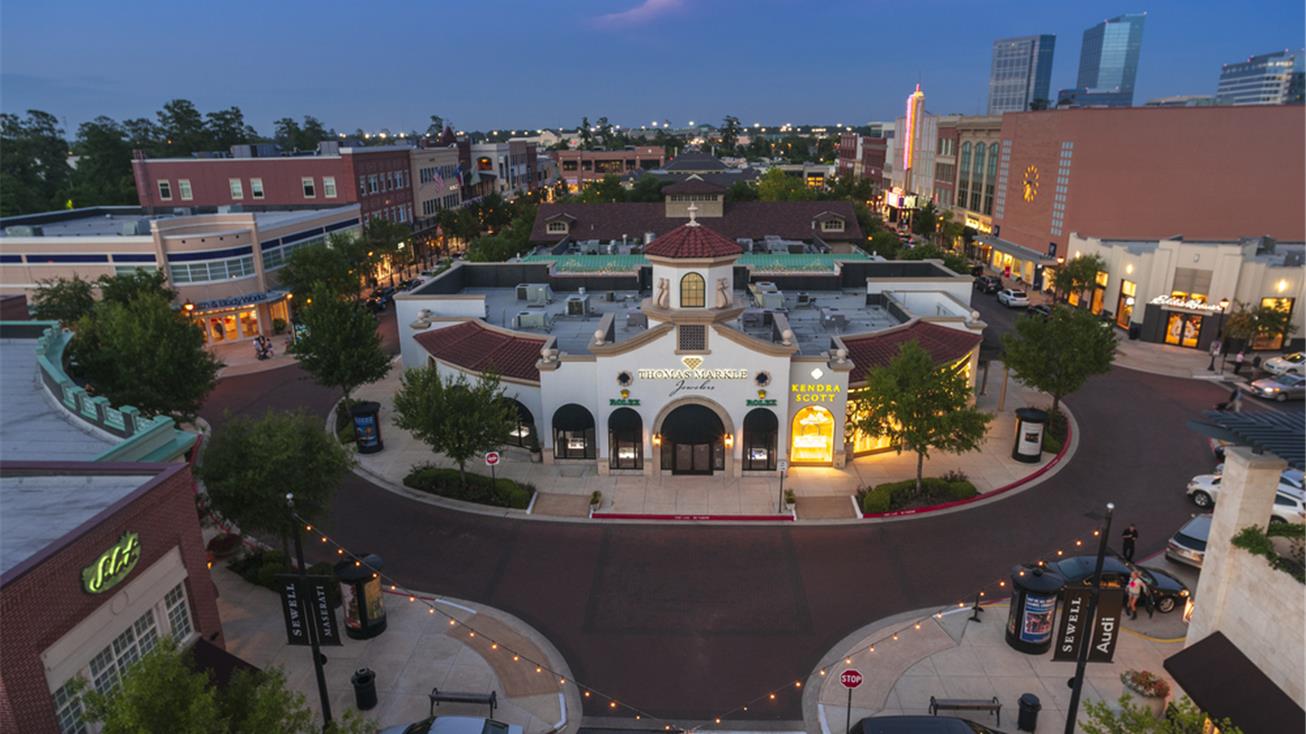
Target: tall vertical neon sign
(915, 102)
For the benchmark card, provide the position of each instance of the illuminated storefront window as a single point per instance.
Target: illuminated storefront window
(813, 432)
(1125, 304)
(1272, 341)
(1099, 293)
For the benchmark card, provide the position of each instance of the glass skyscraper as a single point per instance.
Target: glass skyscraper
(1021, 73)
(1273, 78)
(1108, 64)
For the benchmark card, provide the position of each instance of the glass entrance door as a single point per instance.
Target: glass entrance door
(1182, 329)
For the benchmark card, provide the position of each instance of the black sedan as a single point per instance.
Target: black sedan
(988, 284)
(1164, 592)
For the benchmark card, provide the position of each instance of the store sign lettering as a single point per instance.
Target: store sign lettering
(694, 374)
(767, 403)
(1180, 304)
(623, 401)
(814, 393)
(113, 565)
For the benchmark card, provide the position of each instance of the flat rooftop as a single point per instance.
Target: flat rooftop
(822, 314)
(115, 221)
(36, 510)
(758, 262)
(32, 427)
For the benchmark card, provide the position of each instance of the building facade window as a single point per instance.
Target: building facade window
(990, 177)
(976, 178)
(373, 186)
(832, 225)
(310, 188)
(693, 291)
(165, 190)
(183, 187)
(236, 188)
(557, 227)
(211, 270)
(573, 433)
(329, 187)
(963, 182)
(275, 257)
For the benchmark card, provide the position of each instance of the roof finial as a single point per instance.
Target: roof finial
(693, 209)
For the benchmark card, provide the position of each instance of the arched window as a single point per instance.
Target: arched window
(693, 291)
(625, 439)
(573, 433)
(812, 436)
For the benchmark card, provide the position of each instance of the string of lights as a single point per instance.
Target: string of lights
(864, 651)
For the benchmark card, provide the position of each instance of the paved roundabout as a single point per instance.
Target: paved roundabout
(688, 622)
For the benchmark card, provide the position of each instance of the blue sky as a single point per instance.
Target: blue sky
(519, 63)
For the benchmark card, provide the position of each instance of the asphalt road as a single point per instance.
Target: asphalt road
(686, 622)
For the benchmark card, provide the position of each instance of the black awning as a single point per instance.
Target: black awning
(1281, 433)
(220, 664)
(1226, 685)
(572, 417)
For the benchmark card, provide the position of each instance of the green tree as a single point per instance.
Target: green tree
(336, 267)
(1246, 323)
(493, 212)
(741, 191)
(65, 300)
(145, 135)
(183, 129)
(311, 133)
(436, 128)
(1077, 275)
(383, 238)
(885, 244)
(775, 185)
(287, 133)
(161, 692)
(1182, 717)
(455, 417)
(586, 135)
(647, 188)
(226, 128)
(34, 173)
(729, 134)
(920, 406)
(144, 353)
(250, 464)
(126, 287)
(607, 190)
(1059, 353)
(951, 260)
(924, 220)
(341, 347)
(104, 170)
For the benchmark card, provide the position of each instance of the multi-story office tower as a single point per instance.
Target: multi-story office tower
(1108, 64)
(1021, 73)
(1273, 78)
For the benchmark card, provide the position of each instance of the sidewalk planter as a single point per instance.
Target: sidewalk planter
(1152, 690)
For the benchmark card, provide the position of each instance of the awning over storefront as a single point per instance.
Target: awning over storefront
(1015, 250)
(1226, 685)
(249, 299)
(1280, 433)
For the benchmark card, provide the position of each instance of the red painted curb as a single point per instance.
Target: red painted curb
(699, 518)
(991, 493)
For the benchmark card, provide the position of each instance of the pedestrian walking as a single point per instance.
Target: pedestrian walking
(1238, 363)
(1134, 589)
(1256, 366)
(1127, 540)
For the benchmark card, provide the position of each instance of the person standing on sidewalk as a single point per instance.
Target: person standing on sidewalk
(1238, 363)
(1134, 589)
(1127, 540)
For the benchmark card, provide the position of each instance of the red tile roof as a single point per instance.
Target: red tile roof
(473, 345)
(944, 344)
(691, 240)
(791, 220)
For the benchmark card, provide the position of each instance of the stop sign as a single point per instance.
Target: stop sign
(851, 678)
(491, 458)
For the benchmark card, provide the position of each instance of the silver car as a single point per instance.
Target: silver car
(1188, 546)
(454, 725)
(1280, 387)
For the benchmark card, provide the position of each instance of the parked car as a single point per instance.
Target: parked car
(988, 284)
(1288, 364)
(1294, 478)
(1164, 591)
(1188, 544)
(454, 725)
(1280, 387)
(1012, 298)
(976, 270)
(1289, 500)
(1041, 309)
(919, 725)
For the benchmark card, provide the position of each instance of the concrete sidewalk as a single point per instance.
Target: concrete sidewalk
(950, 657)
(560, 484)
(417, 652)
(240, 359)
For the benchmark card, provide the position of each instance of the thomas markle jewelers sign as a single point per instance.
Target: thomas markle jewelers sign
(694, 377)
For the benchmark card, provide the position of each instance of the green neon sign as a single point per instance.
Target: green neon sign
(113, 565)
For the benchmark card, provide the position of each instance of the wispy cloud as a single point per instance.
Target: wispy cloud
(647, 11)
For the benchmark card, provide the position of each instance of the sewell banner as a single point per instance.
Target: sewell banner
(306, 602)
(1105, 626)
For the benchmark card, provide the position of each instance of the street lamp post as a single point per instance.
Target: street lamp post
(1081, 658)
(1224, 347)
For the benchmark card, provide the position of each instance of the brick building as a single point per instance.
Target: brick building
(377, 178)
(98, 563)
(862, 156)
(579, 167)
(945, 163)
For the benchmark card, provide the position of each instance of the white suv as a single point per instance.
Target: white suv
(1289, 500)
(1012, 298)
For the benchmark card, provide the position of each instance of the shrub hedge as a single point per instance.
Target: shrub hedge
(1054, 436)
(261, 568)
(902, 495)
(446, 483)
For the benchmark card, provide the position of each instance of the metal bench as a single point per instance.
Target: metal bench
(437, 697)
(992, 706)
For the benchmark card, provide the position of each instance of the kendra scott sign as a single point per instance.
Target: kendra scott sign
(113, 565)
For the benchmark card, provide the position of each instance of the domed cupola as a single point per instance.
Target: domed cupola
(693, 268)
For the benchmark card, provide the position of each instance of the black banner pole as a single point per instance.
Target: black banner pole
(1081, 659)
(312, 627)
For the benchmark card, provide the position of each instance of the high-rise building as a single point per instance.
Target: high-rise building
(1273, 78)
(1108, 64)
(1021, 72)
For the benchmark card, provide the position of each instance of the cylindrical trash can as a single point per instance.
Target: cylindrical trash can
(364, 681)
(1135, 331)
(1030, 424)
(1029, 707)
(1034, 592)
(367, 426)
(360, 595)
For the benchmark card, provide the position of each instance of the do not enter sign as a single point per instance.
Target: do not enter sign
(491, 458)
(851, 678)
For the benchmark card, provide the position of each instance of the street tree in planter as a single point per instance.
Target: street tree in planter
(341, 346)
(250, 464)
(338, 267)
(1059, 353)
(455, 417)
(1077, 275)
(920, 406)
(1246, 323)
(144, 353)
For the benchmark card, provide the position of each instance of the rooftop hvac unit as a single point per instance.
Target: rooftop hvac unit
(773, 300)
(530, 320)
(136, 228)
(538, 294)
(25, 230)
(578, 305)
(1294, 259)
(521, 291)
